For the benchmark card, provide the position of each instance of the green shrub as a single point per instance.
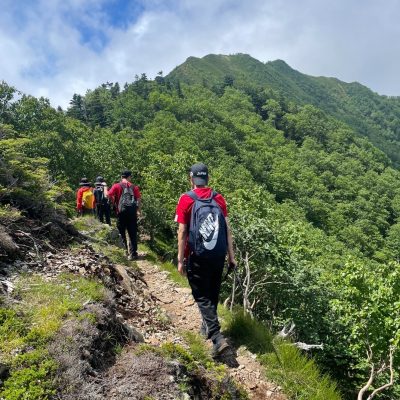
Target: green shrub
(26, 330)
(247, 331)
(33, 382)
(197, 348)
(297, 374)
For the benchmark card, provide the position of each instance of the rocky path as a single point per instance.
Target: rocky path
(182, 314)
(153, 309)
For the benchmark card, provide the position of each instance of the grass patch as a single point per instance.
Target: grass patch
(298, 375)
(85, 223)
(27, 328)
(249, 332)
(198, 348)
(9, 214)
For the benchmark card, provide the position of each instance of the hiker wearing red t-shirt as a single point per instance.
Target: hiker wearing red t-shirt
(126, 198)
(84, 198)
(204, 240)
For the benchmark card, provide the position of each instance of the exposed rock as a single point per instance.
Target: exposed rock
(7, 244)
(125, 281)
(6, 287)
(114, 238)
(133, 334)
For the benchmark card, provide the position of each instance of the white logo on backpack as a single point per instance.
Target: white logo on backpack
(208, 227)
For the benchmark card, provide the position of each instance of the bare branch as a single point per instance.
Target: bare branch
(284, 333)
(307, 347)
(391, 381)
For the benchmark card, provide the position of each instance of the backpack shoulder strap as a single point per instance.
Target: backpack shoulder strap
(192, 195)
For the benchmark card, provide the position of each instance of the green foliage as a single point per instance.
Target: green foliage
(27, 328)
(31, 382)
(198, 348)
(367, 315)
(371, 115)
(298, 375)
(247, 331)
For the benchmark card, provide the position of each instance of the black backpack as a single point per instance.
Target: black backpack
(127, 200)
(207, 230)
(99, 195)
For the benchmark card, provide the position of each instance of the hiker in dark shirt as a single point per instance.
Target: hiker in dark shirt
(103, 209)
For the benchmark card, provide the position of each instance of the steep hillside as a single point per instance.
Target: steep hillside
(371, 115)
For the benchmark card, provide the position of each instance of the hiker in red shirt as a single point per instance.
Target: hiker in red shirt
(204, 240)
(84, 198)
(126, 197)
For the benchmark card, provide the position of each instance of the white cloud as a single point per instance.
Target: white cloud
(43, 52)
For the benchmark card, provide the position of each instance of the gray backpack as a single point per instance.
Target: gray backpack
(127, 200)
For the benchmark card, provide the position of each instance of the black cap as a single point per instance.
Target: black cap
(99, 180)
(84, 182)
(126, 174)
(199, 174)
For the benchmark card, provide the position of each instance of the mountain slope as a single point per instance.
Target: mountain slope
(371, 115)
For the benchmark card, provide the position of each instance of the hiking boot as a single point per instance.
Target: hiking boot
(220, 346)
(133, 256)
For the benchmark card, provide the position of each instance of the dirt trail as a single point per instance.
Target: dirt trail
(183, 314)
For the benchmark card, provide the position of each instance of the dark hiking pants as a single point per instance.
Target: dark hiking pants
(104, 211)
(205, 278)
(127, 221)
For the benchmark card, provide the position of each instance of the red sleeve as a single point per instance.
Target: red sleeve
(113, 192)
(222, 203)
(183, 210)
(136, 192)
(79, 199)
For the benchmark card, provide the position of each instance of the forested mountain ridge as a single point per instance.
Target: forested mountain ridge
(369, 114)
(314, 207)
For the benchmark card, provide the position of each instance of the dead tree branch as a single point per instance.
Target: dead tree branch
(307, 347)
(375, 373)
(287, 331)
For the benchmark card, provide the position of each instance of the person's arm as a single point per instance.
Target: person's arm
(105, 189)
(111, 194)
(79, 196)
(182, 236)
(138, 197)
(231, 252)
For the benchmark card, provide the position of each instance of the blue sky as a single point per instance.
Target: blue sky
(56, 48)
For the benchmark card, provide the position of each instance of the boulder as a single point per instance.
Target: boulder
(7, 244)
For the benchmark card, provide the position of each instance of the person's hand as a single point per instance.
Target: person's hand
(232, 264)
(182, 268)
(104, 183)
